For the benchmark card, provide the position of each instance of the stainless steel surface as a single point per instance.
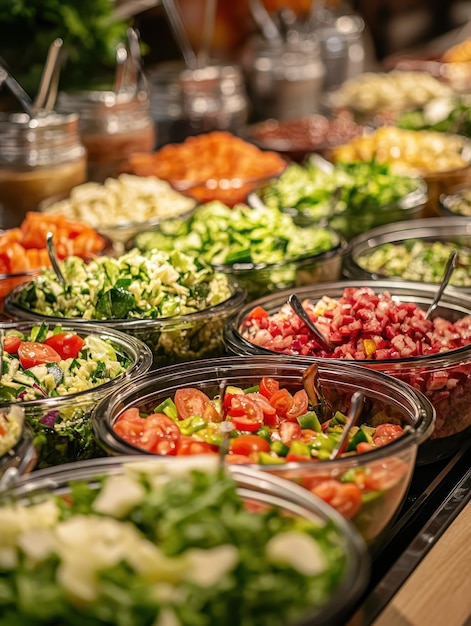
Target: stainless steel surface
(450, 266)
(51, 250)
(354, 413)
(296, 304)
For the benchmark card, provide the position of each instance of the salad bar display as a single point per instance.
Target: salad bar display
(235, 375)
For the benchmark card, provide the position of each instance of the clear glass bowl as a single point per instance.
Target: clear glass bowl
(257, 489)
(75, 409)
(171, 339)
(456, 203)
(22, 457)
(425, 265)
(397, 458)
(453, 368)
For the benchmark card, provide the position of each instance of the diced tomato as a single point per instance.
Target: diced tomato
(289, 431)
(345, 497)
(190, 401)
(68, 345)
(249, 444)
(268, 386)
(11, 344)
(33, 353)
(189, 446)
(282, 400)
(244, 413)
(257, 313)
(385, 433)
(299, 406)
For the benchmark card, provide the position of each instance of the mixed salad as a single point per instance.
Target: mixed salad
(246, 240)
(11, 427)
(371, 194)
(270, 424)
(135, 285)
(52, 362)
(148, 547)
(419, 260)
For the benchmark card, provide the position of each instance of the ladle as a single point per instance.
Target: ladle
(354, 412)
(51, 250)
(16, 89)
(450, 266)
(296, 304)
(51, 66)
(180, 34)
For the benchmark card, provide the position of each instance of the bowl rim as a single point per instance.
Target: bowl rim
(414, 291)
(141, 363)
(217, 369)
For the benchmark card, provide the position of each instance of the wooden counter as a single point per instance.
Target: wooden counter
(438, 592)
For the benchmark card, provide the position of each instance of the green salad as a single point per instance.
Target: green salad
(261, 246)
(371, 195)
(152, 547)
(133, 286)
(418, 260)
(446, 115)
(44, 368)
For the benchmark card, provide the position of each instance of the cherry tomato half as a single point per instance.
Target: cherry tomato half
(189, 446)
(161, 435)
(299, 406)
(282, 401)
(268, 386)
(190, 401)
(345, 497)
(33, 353)
(244, 413)
(11, 344)
(68, 345)
(385, 433)
(248, 444)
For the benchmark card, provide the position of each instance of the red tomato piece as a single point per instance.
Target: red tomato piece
(33, 353)
(268, 386)
(244, 413)
(11, 344)
(189, 446)
(345, 497)
(289, 431)
(385, 433)
(385, 475)
(300, 405)
(161, 434)
(238, 459)
(68, 345)
(257, 313)
(190, 401)
(269, 412)
(282, 401)
(249, 444)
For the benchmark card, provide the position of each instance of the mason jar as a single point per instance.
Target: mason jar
(192, 101)
(112, 126)
(40, 157)
(285, 79)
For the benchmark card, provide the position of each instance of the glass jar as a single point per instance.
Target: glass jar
(40, 158)
(112, 126)
(285, 79)
(191, 101)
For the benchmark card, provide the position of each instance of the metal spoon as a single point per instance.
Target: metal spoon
(180, 34)
(356, 405)
(296, 304)
(264, 22)
(121, 58)
(48, 75)
(16, 89)
(51, 250)
(450, 266)
(226, 426)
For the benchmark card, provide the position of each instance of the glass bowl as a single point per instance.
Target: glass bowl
(371, 506)
(416, 250)
(370, 195)
(263, 249)
(161, 559)
(171, 338)
(444, 377)
(59, 419)
(456, 203)
(122, 206)
(17, 450)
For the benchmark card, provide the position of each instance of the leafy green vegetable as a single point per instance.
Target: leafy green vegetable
(149, 549)
(87, 27)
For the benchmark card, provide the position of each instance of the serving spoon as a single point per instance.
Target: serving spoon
(449, 268)
(354, 412)
(296, 304)
(51, 250)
